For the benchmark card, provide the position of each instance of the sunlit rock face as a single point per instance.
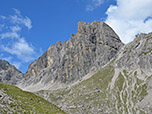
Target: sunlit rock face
(93, 46)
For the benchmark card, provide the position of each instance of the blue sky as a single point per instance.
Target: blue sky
(29, 27)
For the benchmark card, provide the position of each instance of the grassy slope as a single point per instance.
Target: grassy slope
(89, 96)
(94, 95)
(26, 102)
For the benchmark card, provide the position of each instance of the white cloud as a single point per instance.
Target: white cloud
(12, 34)
(15, 28)
(93, 4)
(15, 19)
(18, 19)
(17, 11)
(9, 58)
(97, 2)
(9, 35)
(130, 17)
(17, 64)
(21, 49)
(3, 17)
(13, 47)
(89, 8)
(28, 23)
(6, 58)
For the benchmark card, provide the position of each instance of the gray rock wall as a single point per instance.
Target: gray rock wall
(93, 46)
(136, 54)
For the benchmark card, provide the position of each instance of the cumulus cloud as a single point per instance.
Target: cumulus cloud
(130, 17)
(93, 4)
(12, 43)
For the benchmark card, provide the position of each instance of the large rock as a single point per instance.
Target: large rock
(9, 74)
(93, 46)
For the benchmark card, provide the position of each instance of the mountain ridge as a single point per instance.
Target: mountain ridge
(93, 46)
(119, 89)
(95, 73)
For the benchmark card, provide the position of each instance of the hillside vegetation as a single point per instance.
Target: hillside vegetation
(110, 91)
(15, 101)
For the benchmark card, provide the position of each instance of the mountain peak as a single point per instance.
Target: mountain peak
(93, 46)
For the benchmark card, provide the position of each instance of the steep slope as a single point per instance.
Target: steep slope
(93, 46)
(86, 97)
(124, 86)
(15, 101)
(9, 74)
(136, 54)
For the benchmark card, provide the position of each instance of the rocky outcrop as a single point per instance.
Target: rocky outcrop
(93, 46)
(9, 74)
(136, 54)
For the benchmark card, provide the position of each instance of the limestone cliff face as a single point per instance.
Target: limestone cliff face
(93, 46)
(9, 74)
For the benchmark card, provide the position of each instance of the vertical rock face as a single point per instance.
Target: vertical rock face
(9, 74)
(93, 46)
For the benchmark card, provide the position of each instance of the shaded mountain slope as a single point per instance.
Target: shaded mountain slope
(15, 101)
(9, 74)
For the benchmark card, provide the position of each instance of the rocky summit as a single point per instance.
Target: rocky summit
(93, 46)
(92, 73)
